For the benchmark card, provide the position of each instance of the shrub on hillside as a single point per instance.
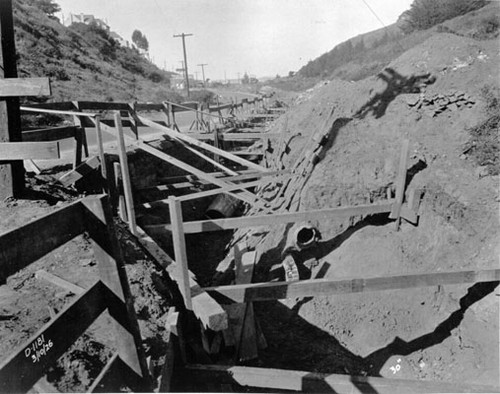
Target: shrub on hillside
(488, 28)
(202, 96)
(424, 14)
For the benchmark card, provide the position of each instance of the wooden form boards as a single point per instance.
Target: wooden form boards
(325, 287)
(310, 382)
(29, 150)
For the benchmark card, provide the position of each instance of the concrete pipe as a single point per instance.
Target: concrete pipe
(223, 206)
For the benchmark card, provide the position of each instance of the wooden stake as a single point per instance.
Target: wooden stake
(180, 250)
(400, 185)
(100, 147)
(127, 187)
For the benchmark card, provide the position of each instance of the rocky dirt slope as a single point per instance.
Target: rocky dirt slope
(436, 95)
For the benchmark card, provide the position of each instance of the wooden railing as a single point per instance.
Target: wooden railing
(22, 246)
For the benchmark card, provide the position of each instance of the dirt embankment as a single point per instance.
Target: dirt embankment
(434, 95)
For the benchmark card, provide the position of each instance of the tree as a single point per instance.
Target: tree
(140, 40)
(246, 79)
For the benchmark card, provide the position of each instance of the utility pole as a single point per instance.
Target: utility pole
(203, 72)
(183, 35)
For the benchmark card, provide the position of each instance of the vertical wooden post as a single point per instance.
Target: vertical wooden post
(166, 111)
(400, 183)
(122, 210)
(127, 187)
(179, 241)
(133, 119)
(82, 142)
(100, 147)
(11, 174)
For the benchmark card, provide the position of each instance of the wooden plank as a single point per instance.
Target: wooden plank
(24, 245)
(193, 141)
(127, 184)
(400, 183)
(102, 106)
(326, 287)
(56, 111)
(29, 150)
(61, 105)
(107, 251)
(100, 148)
(64, 284)
(50, 134)
(10, 87)
(179, 242)
(312, 382)
(183, 107)
(149, 107)
(279, 218)
(21, 370)
(246, 348)
(192, 170)
(80, 172)
(211, 314)
(208, 193)
(242, 176)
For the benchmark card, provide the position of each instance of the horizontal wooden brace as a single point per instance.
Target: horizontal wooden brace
(325, 287)
(12, 87)
(312, 382)
(52, 134)
(29, 150)
(234, 136)
(280, 218)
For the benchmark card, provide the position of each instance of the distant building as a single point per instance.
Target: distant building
(85, 18)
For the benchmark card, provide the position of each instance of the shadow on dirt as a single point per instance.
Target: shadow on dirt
(442, 331)
(396, 84)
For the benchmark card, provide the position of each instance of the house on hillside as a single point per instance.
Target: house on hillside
(85, 18)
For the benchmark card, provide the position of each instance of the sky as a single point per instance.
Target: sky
(259, 37)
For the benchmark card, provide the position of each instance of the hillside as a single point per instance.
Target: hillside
(367, 54)
(82, 61)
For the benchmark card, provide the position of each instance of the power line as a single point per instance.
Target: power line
(381, 22)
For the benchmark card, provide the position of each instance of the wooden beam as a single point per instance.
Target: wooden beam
(56, 111)
(114, 376)
(20, 371)
(179, 242)
(400, 183)
(51, 134)
(193, 141)
(326, 287)
(24, 245)
(211, 314)
(208, 193)
(312, 382)
(127, 185)
(81, 171)
(102, 106)
(186, 167)
(11, 174)
(10, 87)
(29, 150)
(279, 218)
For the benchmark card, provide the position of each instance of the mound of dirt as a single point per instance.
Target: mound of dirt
(438, 333)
